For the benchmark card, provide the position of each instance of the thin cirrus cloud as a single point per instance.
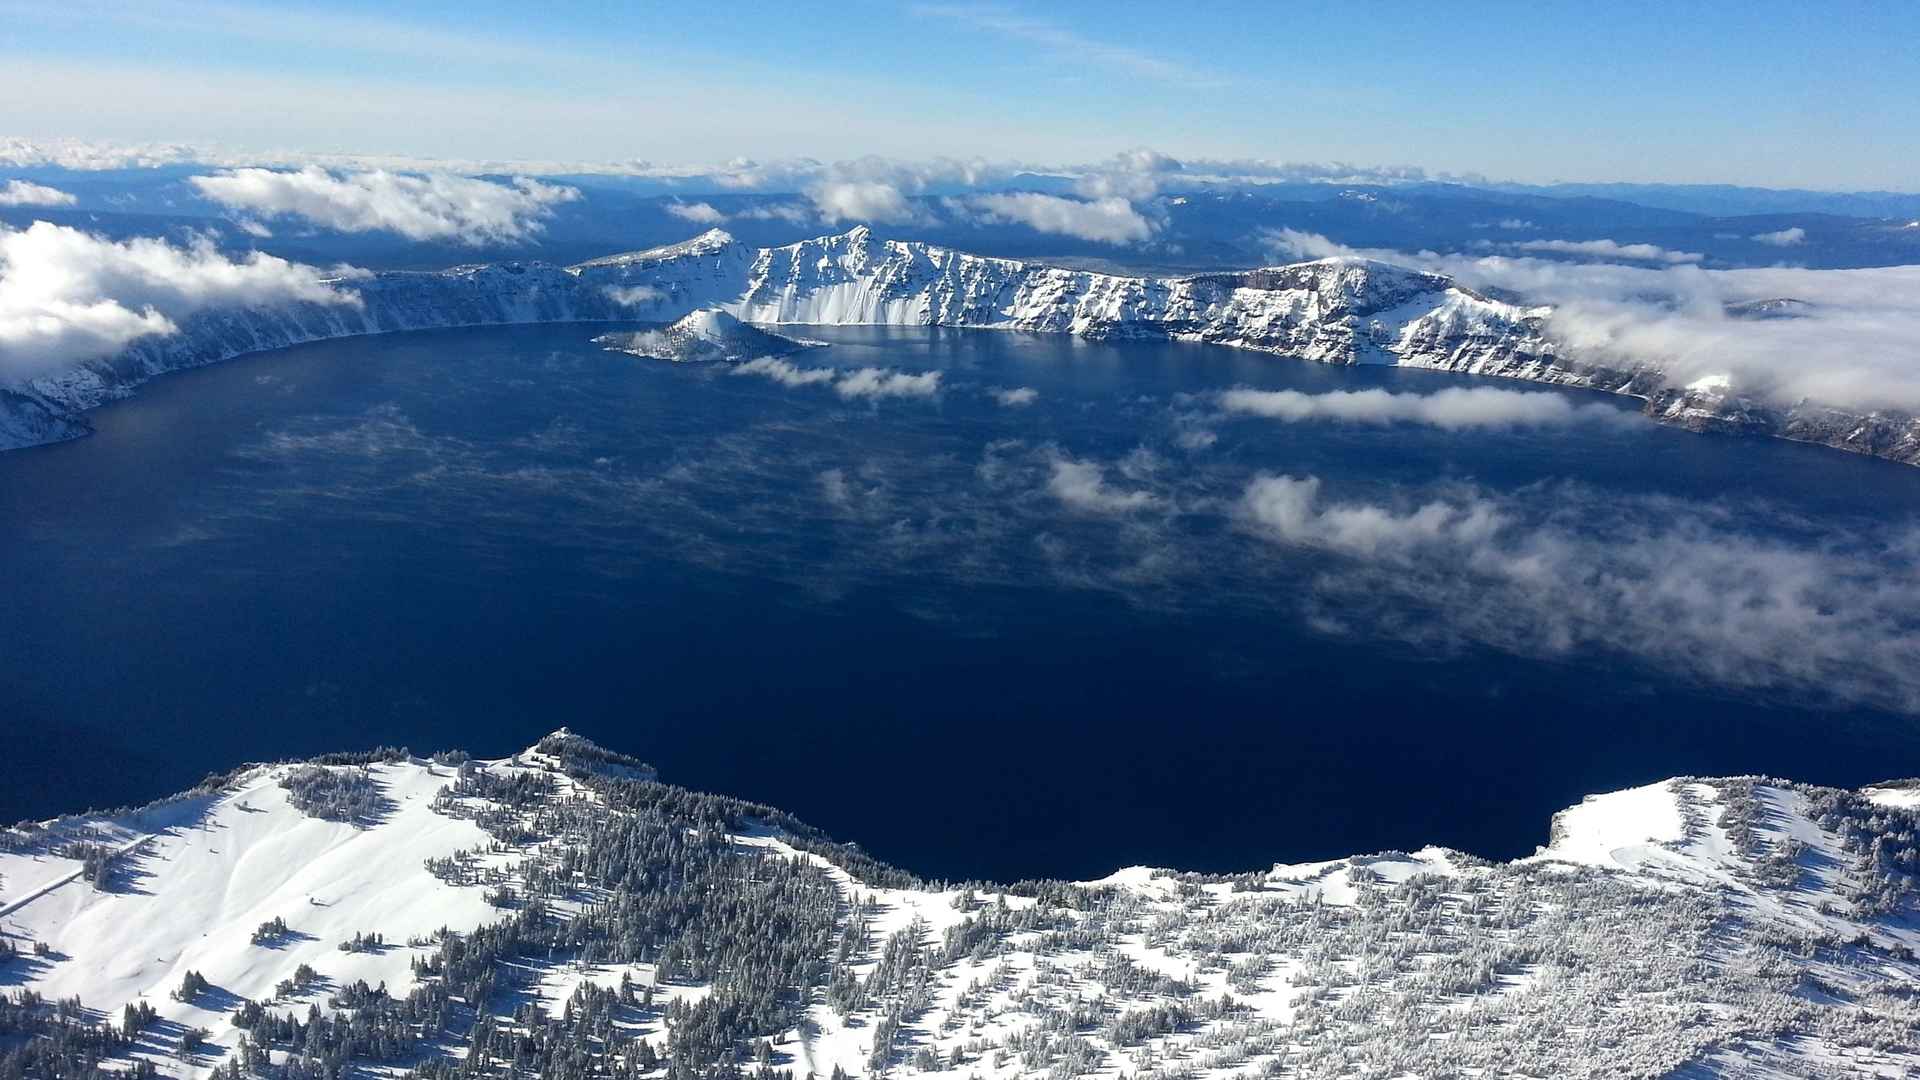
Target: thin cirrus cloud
(1070, 46)
(1453, 408)
(67, 295)
(26, 193)
(436, 206)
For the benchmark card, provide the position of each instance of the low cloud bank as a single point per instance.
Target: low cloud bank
(1669, 586)
(67, 295)
(1295, 244)
(1611, 249)
(1110, 220)
(870, 384)
(873, 383)
(437, 206)
(635, 295)
(1454, 408)
(698, 212)
(1082, 485)
(872, 201)
(24, 193)
(1854, 342)
(785, 372)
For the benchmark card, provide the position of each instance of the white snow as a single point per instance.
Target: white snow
(203, 872)
(1907, 798)
(208, 871)
(1616, 829)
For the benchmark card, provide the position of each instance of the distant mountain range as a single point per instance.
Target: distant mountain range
(1197, 225)
(1339, 310)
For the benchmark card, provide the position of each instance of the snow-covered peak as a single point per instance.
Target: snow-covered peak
(711, 242)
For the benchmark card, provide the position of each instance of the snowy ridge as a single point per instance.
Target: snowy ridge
(528, 925)
(1339, 310)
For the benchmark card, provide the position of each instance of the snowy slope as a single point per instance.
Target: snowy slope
(202, 874)
(1695, 927)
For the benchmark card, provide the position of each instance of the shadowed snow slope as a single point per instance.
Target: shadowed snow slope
(1338, 310)
(1703, 926)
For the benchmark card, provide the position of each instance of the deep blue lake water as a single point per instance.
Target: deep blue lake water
(982, 639)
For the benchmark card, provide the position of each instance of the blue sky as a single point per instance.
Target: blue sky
(1757, 93)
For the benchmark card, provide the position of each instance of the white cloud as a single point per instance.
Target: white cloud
(834, 487)
(1855, 344)
(699, 213)
(1135, 174)
(870, 384)
(874, 201)
(1018, 397)
(1782, 238)
(1294, 244)
(23, 193)
(66, 295)
(1290, 509)
(85, 156)
(1083, 485)
(1561, 572)
(1111, 220)
(785, 372)
(1515, 223)
(1611, 249)
(635, 295)
(791, 213)
(880, 383)
(1453, 408)
(432, 207)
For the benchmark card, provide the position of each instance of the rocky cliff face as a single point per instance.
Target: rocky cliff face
(1342, 311)
(1891, 435)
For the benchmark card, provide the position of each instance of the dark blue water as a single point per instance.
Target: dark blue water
(884, 616)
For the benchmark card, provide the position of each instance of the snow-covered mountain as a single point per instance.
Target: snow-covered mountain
(561, 913)
(1340, 310)
(704, 335)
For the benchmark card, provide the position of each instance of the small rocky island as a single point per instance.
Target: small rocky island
(704, 335)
